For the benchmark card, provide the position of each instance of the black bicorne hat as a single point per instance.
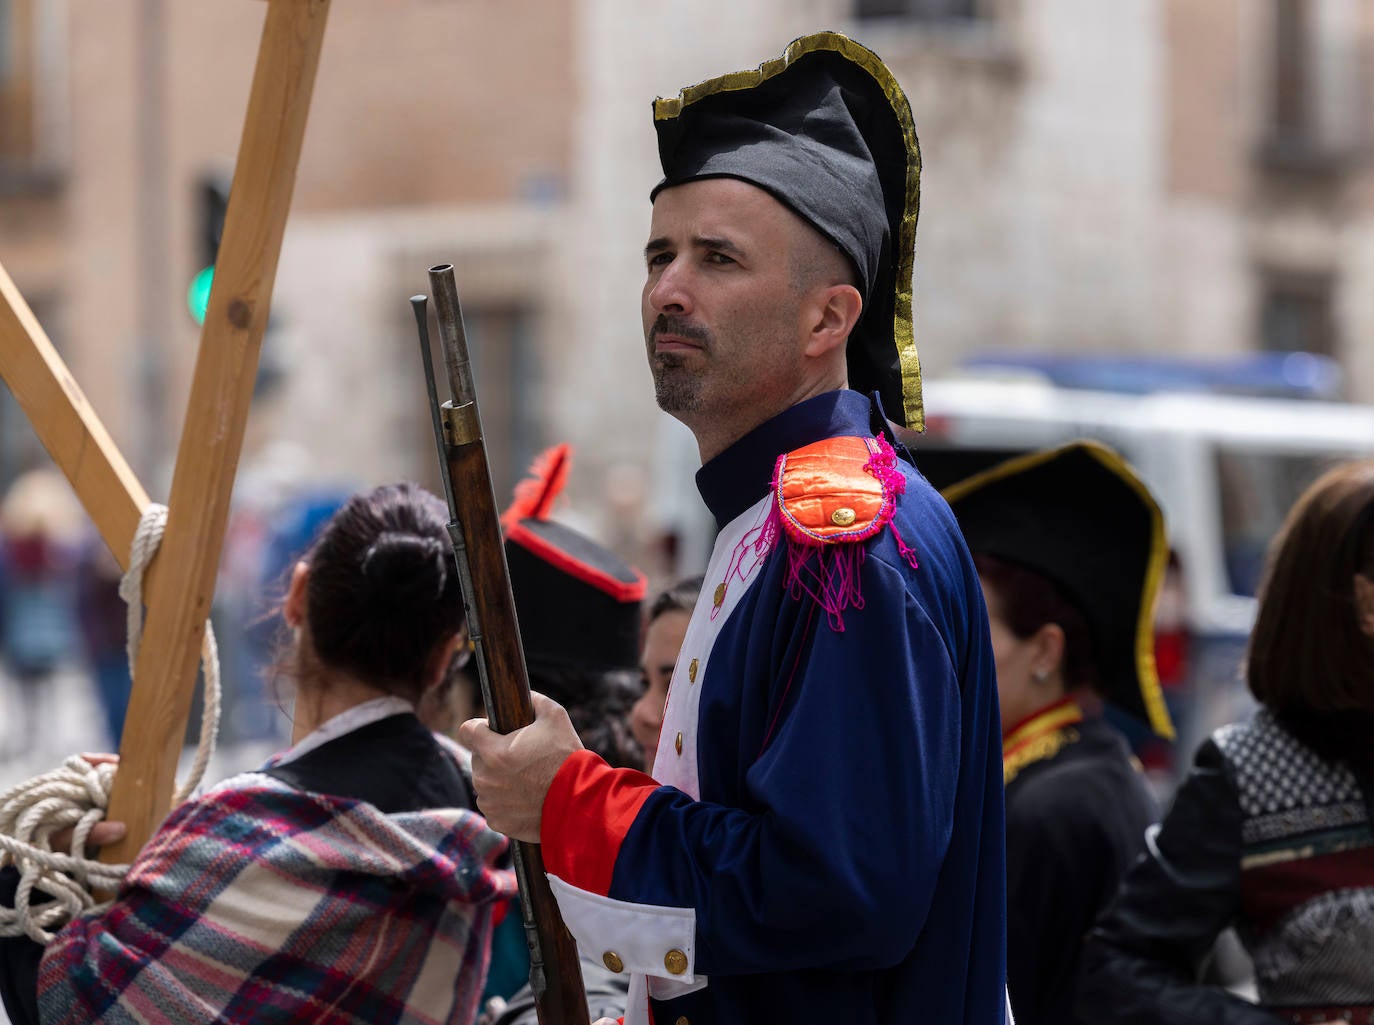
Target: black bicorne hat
(827, 131)
(578, 603)
(1079, 516)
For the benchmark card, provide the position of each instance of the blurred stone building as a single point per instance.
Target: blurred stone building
(438, 130)
(1137, 176)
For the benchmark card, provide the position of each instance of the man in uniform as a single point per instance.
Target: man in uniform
(823, 839)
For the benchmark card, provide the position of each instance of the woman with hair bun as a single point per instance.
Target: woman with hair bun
(349, 879)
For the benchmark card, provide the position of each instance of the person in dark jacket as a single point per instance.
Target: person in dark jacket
(1271, 831)
(1070, 550)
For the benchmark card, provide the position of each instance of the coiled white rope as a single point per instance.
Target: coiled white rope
(146, 539)
(78, 794)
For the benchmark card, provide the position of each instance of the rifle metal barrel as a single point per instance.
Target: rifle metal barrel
(560, 997)
(420, 305)
(452, 335)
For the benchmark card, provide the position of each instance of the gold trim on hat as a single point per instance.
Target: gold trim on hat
(903, 334)
(1147, 674)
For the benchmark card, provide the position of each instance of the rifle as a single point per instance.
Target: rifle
(475, 531)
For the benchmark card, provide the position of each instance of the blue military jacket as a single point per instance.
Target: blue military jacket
(824, 838)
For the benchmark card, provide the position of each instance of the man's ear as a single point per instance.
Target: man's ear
(836, 311)
(293, 609)
(1364, 604)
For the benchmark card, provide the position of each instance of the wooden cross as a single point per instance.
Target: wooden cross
(180, 584)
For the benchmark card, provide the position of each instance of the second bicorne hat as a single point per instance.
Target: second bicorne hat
(825, 129)
(1080, 517)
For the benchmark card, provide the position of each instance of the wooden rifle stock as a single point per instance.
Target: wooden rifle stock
(475, 530)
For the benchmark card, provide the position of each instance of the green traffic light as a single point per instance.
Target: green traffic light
(198, 295)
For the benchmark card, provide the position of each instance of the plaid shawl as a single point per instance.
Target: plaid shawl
(257, 902)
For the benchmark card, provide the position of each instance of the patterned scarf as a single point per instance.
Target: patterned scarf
(260, 903)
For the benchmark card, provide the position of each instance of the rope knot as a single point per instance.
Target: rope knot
(77, 795)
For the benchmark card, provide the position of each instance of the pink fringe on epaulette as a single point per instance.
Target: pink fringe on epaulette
(829, 573)
(883, 466)
(751, 550)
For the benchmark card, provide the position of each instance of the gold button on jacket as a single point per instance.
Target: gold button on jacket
(612, 961)
(677, 744)
(675, 961)
(843, 517)
(692, 671)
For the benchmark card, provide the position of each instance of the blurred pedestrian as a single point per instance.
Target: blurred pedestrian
(40, 527)
(104, 620)
(1271, 831)
(1070, 549)
(348, 880)
(279, 506)
(288, 530)
(664, 631)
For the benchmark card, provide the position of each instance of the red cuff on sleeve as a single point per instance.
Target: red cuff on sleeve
(587, 812)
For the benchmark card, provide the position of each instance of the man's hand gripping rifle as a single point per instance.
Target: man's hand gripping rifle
(475, 530)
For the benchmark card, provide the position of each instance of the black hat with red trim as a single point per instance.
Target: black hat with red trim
(578, 603)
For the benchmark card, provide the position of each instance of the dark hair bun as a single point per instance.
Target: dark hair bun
(402, 568)
(383, 589)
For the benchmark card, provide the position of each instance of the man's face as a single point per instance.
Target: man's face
(722, 315)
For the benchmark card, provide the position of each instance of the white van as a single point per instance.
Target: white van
(1225, 470)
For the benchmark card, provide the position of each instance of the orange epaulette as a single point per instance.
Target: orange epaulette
(827, 496)
(831, 491)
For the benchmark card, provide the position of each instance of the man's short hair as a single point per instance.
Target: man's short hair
(817, 262)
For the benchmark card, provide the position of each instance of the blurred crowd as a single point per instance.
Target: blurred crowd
(59, 607)
(63, 624)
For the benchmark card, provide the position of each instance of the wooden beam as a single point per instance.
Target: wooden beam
(221, 392)
(67, 425)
